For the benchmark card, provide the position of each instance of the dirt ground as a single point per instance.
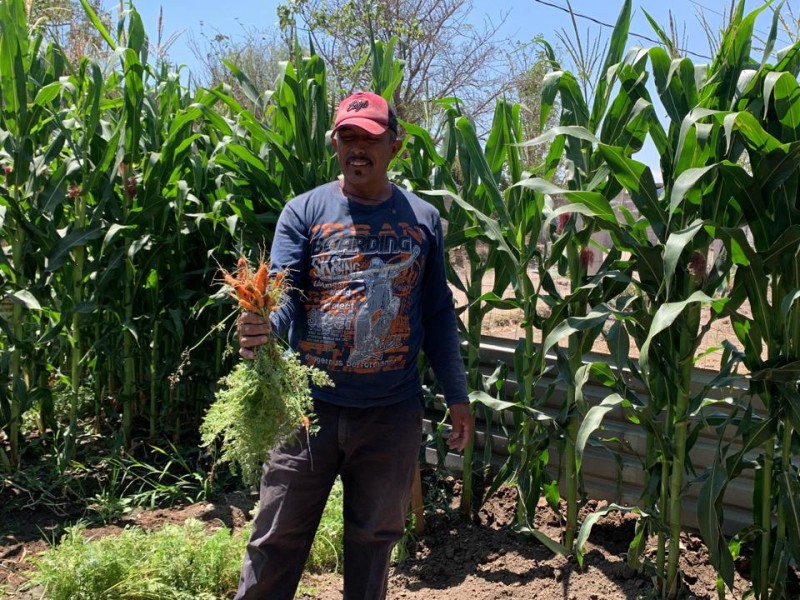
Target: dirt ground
(485, 560)
(480, 560)
(507, 323)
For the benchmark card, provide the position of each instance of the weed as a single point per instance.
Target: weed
(178, 562)
(328, 547)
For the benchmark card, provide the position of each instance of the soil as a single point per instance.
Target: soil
(507, 323)
(481, 559)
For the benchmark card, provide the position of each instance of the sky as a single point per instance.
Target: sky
(522, 20)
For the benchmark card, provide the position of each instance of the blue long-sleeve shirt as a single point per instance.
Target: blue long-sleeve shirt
(368, 292)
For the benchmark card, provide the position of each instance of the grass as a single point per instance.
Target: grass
(175, 562)
(327, 550)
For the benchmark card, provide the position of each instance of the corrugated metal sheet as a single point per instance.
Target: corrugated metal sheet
(614, 473)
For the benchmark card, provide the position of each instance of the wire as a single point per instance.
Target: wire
(703, 7)
(609, 25)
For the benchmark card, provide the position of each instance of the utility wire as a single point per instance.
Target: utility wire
(703, 7)
(609, 25)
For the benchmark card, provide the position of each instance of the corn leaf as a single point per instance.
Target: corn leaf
(616, 49)
(503, 405)
(592, 422)
(710, 519)
(664, 317)
(591, 520)
(24, 298)
(673, 250)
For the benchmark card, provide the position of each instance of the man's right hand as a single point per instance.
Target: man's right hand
(253, 330)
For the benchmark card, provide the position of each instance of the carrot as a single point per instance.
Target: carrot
(261, 278)
(243, 268)
(245, 304)
(255, 290)
(252, 418)
(230, 279)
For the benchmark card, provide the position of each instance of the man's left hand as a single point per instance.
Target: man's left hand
(463, 426)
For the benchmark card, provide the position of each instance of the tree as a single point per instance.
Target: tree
(256, 53)
(528, 66)
(444, 54)
(66, 23)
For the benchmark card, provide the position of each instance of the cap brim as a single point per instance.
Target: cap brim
(367, 125)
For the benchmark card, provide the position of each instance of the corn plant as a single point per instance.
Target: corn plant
(499, 225)
(104, 206)
(289, 153)
(667, 243)
(586, 184)
(500, 247)
(763, 134)
(29, 153)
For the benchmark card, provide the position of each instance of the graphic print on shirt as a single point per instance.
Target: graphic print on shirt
(359, 295)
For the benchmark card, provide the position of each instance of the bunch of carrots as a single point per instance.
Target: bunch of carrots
(256, 291)
(265, 401)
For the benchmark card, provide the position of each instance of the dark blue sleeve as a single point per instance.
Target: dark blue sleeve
(441, 343)
(290, 252)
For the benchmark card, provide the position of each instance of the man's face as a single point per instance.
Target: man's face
(363, 157)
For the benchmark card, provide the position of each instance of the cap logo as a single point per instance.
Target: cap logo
(357, 105)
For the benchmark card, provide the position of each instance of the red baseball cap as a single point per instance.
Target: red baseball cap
(368, 111)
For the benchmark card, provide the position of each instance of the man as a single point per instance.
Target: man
(366, 263)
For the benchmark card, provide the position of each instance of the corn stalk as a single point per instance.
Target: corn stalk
(668, 245)
(763, 126)
(29, 153)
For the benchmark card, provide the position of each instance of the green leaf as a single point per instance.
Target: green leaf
(752, 130)
(590, 204)
(590, 521)
(769, 44)
(733, 56)
(592, 421)
(573, 105)
(571, 325)
(500, 303)
(253, 95)
(676, 244)
(26, 299)
(790, 499)
(492, 230)
(616, 49)
(503, 405)
(789, 373)
(786, 245)
(688, 181)
(112, 232)
(549, 543)
(788, 301)
(48, 93)
(98, 24)
(711, 519)
(618, 344)
(574, 131)
(638, 179)
(664, 317)
(78, 237)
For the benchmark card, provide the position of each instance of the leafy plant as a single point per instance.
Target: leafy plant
(180, 562)
(263, 401)
(175, 561)
(260, 403)
(327, 550)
